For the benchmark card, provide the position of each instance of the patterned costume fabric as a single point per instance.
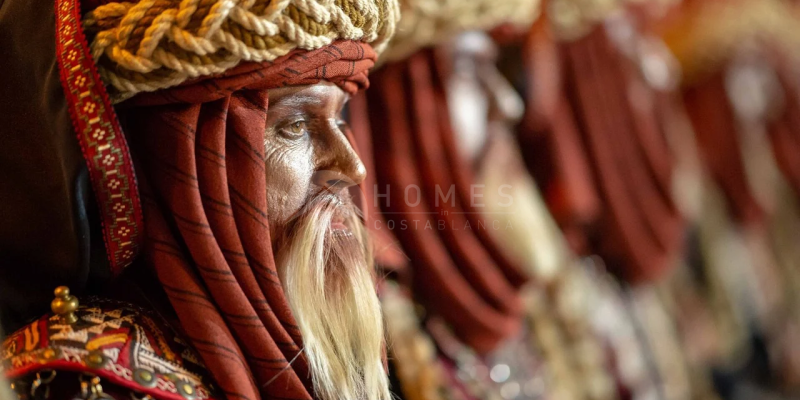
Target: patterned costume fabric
(122, 343)
(102, 142)
(201, 162)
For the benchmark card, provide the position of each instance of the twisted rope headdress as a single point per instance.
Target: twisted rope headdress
(155, 44)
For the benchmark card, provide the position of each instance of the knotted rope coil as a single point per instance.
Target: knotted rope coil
(154, 44)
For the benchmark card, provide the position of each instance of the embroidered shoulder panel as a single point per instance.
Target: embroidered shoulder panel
(116, 341)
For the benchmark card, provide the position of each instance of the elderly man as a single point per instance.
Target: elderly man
(231, 213)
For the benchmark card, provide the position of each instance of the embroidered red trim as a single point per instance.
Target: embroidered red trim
(116, 341)
(101, 139)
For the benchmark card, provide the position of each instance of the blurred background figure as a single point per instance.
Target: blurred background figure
(594, 138)
(661, 139)
(442, 122)
(739, 65)
(455, 315)
(580, 135)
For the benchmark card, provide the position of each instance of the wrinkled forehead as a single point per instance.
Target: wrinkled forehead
(319, 94)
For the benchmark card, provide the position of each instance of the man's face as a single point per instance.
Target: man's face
(321, 248)
(307, 152)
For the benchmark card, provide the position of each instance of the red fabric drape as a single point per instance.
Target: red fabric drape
(550, 142)
(199, 151)
(784, 131)
(459, 273)
(595, 145)
(389, 257)
(715, 128)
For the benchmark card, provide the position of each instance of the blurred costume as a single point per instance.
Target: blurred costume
(185, 210)
(593, 139)
(600, 106)
(469, 313)
(740, 94)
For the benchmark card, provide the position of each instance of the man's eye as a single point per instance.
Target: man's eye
(295, 130)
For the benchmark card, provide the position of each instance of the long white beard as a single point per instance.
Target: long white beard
(329, 280)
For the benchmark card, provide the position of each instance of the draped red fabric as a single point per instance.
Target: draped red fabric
(715, 128)
(604, 119)
(389, 257)
(784, 131)
(551, 144)
(199, 151)
(461, 175)
(459, 273)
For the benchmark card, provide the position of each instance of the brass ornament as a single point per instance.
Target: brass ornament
(65, 305)
(96, 359)
(186, 390)
(144, 377)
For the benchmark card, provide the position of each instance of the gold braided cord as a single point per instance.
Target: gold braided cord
(711, 34)
(154, 44)
(429, 22)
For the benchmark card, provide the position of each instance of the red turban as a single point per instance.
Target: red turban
(199, 151)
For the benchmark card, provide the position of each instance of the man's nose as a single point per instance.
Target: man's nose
(341, 167)
(333, 181)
